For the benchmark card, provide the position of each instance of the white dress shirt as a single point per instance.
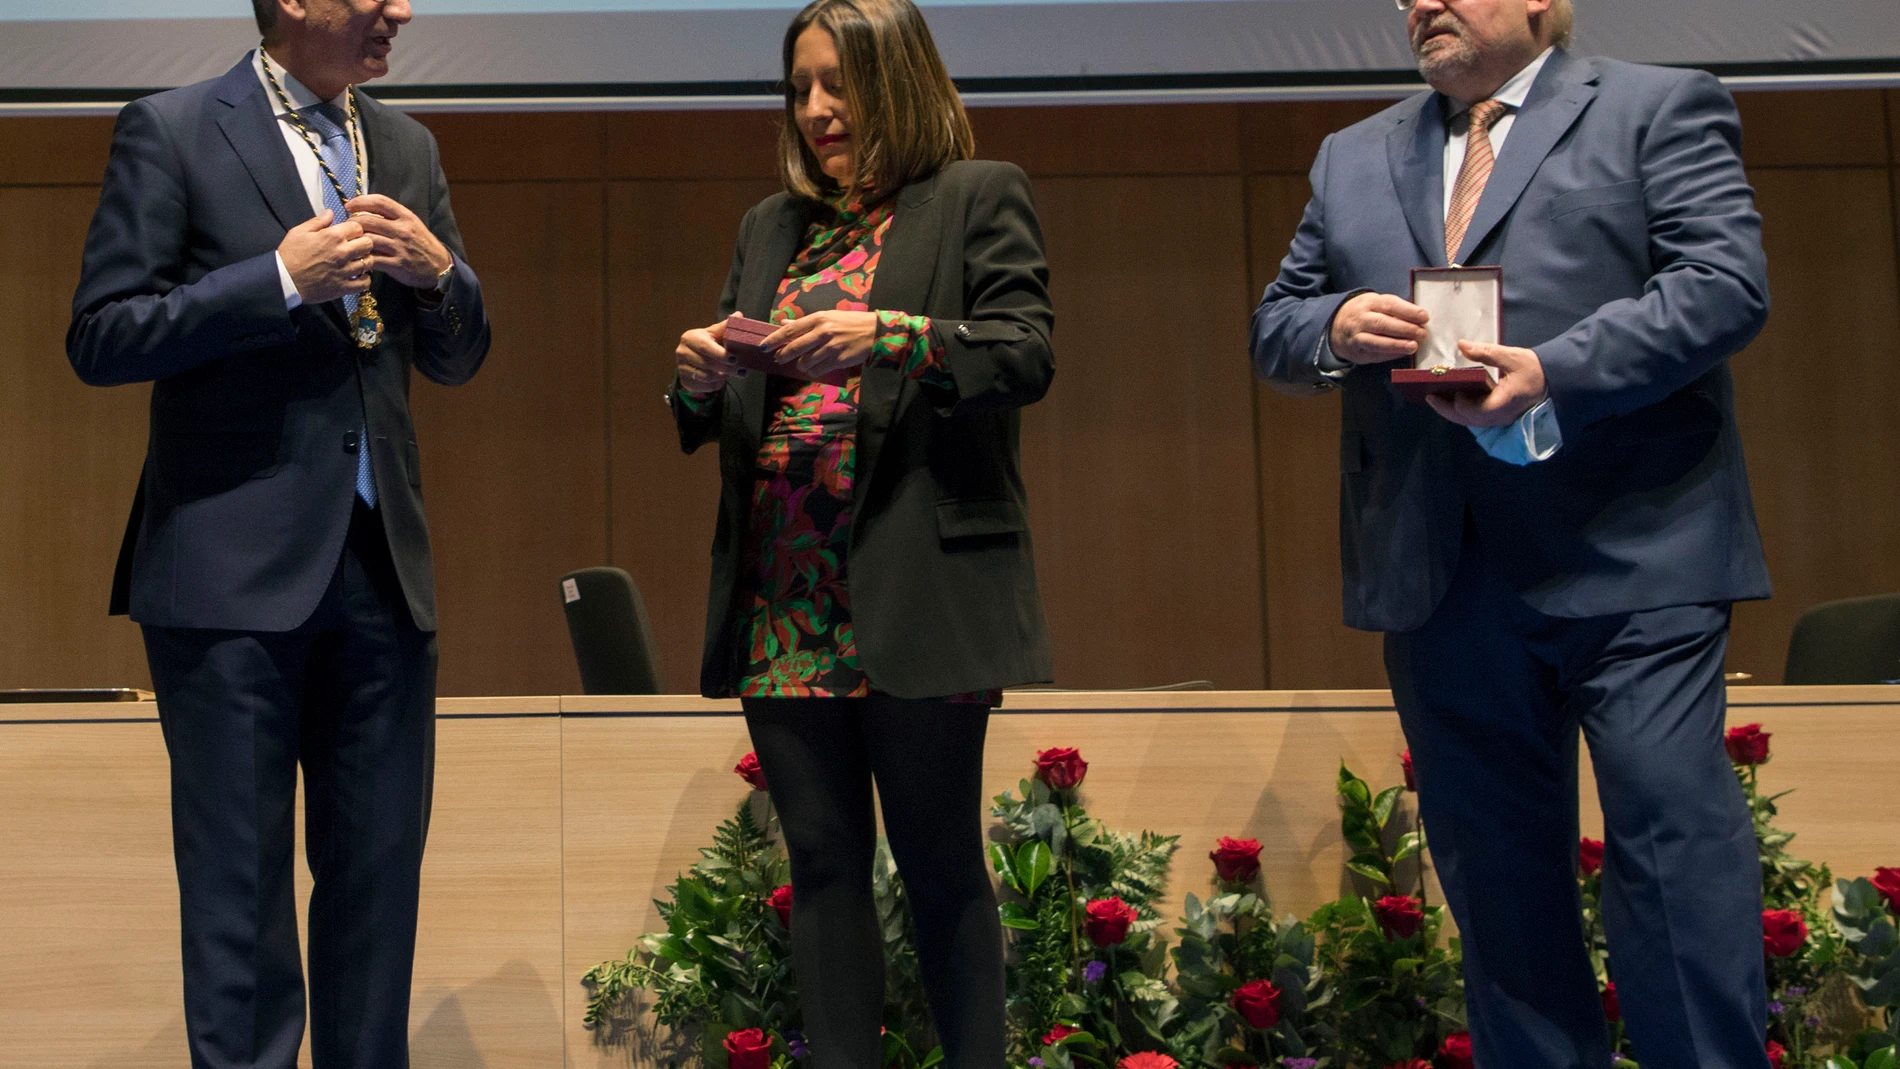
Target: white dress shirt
(308, 168)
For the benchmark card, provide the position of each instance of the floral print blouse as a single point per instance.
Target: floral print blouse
(795, 626)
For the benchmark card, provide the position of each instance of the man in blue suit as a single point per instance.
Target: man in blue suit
(1562, 554)
(274, 252)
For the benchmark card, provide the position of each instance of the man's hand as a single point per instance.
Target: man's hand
(703, 364)
(326, 259)
(405, 250)
(1520, 387)
(1377, 328)
(823, 342)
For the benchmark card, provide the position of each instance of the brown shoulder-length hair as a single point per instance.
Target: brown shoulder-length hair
(906, 118)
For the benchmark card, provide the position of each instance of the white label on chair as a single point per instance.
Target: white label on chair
(570, 591)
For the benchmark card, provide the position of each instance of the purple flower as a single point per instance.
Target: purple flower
(1421, 1002)
(1037, 1062)
(795, 1043)
(1094, 971)
(1775, 1009)
(1813, 1022)
(1795, 992)
(1301, 1063)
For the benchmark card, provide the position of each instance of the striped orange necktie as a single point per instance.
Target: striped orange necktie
(1471, 176)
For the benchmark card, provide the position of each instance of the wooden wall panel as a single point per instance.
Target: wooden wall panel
(54, 151)
(1284, 138)
(514, 463)
(1814, 128)
(1139, 463)
(1298, 442)
(693, 145)
(1820, 456)
(70, 457)
(527, 147)
(1140, 139)
(670, 250)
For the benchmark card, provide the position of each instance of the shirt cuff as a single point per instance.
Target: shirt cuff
(1330, 365)
(1534, 437)
(292, 299)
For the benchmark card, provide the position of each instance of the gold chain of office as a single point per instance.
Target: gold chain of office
(366, 324)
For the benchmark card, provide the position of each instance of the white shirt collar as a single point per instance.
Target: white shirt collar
(300, 96)
(1513, 92)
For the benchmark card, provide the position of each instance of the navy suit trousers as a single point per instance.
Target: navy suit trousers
(1492, 695)
(349, 696)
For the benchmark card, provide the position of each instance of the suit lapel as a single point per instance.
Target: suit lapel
(250, 125)
(906, 266)
(385, 168)
(767, 257)
(1562, 90)
(1415, 147)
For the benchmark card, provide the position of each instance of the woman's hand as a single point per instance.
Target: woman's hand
(824, 342)
(704, 366)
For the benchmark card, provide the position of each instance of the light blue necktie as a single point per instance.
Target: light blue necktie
(340, 155)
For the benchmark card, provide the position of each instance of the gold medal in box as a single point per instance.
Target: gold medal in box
(1464, 304)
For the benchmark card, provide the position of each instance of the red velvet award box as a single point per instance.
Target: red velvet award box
(742, 345)
(1464, 303)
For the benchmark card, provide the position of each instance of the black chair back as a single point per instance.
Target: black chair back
(1851, 641)
(613, 640)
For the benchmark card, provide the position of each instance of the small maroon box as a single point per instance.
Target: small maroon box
(742, 345)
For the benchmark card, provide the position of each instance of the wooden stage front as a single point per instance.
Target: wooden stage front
(558, 820)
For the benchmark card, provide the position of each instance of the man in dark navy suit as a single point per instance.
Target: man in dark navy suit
(273, 252)
(1562, 554)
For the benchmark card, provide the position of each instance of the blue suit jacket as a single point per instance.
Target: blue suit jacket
(250, 468)
(1632, 260)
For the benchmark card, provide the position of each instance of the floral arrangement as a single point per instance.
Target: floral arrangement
(1365, 982)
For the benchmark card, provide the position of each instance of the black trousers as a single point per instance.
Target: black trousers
(350, 697)
(821, 757)
(1493, 695)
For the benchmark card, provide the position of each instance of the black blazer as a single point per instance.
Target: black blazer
(250, 468)
(942, 585)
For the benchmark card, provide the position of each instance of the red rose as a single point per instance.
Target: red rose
(781, 900)
(748, 1049)
(1783, 932)
(1455, 1052)
(749, 770)
(1612, 1009)
(1411, 779)
(1058, 1034)
(1776, 1052)
(1258, 1003)
(1399, 916)
(1236, 860)
(1061, 768)
(1148, 1059)
(1590, 856)
(1887, 882)
(1747, 745)
(1108, 921)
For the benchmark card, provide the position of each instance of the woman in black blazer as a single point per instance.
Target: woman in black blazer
(872, 584)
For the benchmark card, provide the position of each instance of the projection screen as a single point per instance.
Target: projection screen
(81, 55)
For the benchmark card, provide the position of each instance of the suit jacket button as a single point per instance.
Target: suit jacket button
(963, 331)
(350, 442)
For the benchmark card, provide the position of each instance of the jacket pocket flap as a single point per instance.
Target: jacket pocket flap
(1596, 197)
(990, 516)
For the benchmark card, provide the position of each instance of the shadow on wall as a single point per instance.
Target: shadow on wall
(165, 1049)
(511, 1003)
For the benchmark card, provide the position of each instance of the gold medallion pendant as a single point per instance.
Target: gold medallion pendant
(367, 323)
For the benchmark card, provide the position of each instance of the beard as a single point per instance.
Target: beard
(1450, 53)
